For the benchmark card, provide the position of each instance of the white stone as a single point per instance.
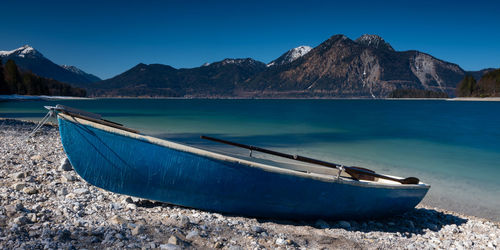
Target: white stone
(280, 241)
(19, 186)
(81, 191)
(192, 234)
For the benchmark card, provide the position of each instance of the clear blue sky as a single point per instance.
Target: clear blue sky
(106, 38)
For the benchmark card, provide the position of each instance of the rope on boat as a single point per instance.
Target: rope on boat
(41, 123)
(1, 126)
(340, 168)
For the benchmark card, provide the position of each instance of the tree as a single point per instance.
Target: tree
(32, 84)
(12, 77)
(26, 83)
(416, 93)
(489, 84)
(4, 89)
(467, 87)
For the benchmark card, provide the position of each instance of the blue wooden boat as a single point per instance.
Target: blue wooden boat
(121, 160)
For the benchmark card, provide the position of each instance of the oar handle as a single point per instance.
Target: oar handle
(355, 172)
(263, 150)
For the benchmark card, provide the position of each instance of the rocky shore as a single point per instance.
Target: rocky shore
(45, 204)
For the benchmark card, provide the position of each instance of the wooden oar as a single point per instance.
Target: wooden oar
(355, 172)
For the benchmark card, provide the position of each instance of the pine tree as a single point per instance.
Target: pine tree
(4, 89)
(29, 80)
(489, 84)
(467, 87)
(27, 83)
(12, 77)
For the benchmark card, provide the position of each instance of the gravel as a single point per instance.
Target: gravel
(45, 204)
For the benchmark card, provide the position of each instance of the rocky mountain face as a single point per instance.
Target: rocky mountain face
(367, 67)
(374, 41)
(29, 59)
(218, 79)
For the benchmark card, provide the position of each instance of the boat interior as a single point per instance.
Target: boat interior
(313, 169)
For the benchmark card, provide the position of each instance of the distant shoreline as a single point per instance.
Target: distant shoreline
(43, 97)
(483, 99)
(40, 97)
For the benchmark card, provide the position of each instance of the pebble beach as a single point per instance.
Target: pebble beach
(44, 204)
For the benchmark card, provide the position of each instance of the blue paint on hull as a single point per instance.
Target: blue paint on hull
(135, 167)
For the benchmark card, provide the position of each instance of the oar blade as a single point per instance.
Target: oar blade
(362, 174)
(410, 180)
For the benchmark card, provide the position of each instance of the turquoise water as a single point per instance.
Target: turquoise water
(454, 146)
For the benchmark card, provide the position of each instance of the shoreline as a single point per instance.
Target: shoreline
(483, 99)
(60, 210)
(51, 98)
(40, 97)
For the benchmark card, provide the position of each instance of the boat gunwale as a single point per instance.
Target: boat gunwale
(221, 157)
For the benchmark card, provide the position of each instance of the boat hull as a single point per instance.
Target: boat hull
(138, 166)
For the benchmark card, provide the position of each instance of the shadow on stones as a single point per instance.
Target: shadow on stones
(416, 221)
(150, 204)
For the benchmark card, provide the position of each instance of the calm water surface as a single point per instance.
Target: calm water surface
(454, 146)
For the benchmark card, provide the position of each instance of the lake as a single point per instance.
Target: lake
(452, 145)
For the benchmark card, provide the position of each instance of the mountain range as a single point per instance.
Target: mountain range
(218, 79)
(367, 67)
(29, 59)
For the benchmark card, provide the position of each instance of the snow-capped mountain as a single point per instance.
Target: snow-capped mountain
(290, 56)
(23, 52)
(78, 71)
(29, 59)
(235, 61)
(374, 41)
(238, 61)
(73, 69)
